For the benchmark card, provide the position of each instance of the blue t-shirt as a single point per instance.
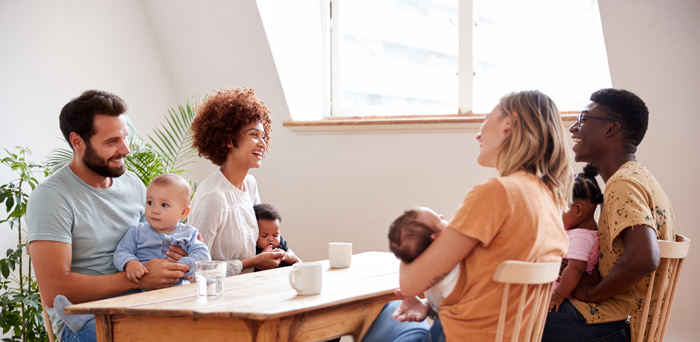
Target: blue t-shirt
(64, 208)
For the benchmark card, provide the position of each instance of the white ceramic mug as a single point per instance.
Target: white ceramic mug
(306, 278)
(340, 254)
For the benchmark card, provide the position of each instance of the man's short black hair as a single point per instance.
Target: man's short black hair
(78, 115)
(266, 212)
(628, 109)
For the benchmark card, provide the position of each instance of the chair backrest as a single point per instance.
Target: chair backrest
(541, 277)
(672, 256)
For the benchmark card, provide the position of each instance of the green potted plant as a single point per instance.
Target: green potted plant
(21, 304)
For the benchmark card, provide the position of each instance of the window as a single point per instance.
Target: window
(441, 57)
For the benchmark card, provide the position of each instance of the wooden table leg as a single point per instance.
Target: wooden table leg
(103, 327)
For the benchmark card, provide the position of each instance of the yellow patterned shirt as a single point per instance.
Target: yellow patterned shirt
(632, 197)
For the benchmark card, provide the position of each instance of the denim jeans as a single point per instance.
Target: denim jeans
(387, 329)
(436, 334)
(86, 334)
(569, 325)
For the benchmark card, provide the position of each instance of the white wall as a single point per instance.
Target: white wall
(328, 187)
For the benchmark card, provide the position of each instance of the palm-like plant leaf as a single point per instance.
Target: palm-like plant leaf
(146, 164)
(174, 138)
(58, 157)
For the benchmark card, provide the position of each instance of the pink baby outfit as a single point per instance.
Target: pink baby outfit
(583, 245)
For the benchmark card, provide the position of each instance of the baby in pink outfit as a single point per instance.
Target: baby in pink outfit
(582, 230)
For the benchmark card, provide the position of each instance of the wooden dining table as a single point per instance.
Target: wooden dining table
(259, 306)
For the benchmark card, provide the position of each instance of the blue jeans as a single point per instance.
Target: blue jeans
(569, 325)
(387, 329)
(86, 334)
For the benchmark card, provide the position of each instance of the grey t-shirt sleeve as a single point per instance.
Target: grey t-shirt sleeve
(49, 216)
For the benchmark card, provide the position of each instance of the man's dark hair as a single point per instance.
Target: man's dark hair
(628, 109)
(266, 212)
(78, 115)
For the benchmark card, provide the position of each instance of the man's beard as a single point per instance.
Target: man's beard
(101, 166)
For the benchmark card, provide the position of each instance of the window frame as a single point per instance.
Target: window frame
(462, 121)
(465, 72)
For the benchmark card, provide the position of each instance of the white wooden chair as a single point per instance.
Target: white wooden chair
(672, 256)
(541, 277)
(47, 321)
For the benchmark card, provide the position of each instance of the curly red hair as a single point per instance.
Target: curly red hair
(220, 119)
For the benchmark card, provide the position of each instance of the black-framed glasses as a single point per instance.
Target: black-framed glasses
(581, 116)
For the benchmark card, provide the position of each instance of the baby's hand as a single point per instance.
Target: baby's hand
(269, 248)
(556, 302)
(290, 258)
(135, 270)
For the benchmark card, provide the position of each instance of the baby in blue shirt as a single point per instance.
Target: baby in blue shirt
(167, 202)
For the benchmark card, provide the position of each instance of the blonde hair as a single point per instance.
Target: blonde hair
(175, 180)
(536, 143)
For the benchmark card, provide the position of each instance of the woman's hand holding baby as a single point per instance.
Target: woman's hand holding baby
(412, 309)
(269, 260)
(135, 270)
(289, 256)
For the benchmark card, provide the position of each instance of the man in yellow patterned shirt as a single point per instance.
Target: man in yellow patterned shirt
(635, 214)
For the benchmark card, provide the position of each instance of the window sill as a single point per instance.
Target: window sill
(411, 124)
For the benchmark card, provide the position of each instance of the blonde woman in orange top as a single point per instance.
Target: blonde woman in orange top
(516, 216)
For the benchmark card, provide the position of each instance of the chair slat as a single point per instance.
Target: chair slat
(533, 312)
(672, 298)
(539, 328)
(672, 256)
(519, 317)
(502, 315)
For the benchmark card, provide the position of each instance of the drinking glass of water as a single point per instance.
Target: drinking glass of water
(210, 277)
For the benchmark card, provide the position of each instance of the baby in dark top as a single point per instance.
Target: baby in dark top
(269, 237)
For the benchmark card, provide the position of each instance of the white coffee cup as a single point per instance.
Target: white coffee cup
(340, 254)
(306, 278)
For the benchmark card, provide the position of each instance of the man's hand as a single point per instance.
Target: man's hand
(135, 270)
(269, 260)
(412, 309)
(587, 282)
(175, 253)
(161, 274)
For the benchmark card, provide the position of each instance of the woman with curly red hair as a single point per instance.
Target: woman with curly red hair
(232, 130)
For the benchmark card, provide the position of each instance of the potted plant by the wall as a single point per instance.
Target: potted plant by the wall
(21, 304)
